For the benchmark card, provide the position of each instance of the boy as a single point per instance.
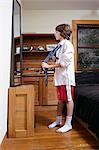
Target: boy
(64, 76)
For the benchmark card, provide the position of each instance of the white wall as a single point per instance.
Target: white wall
(5, 53)
(44, 21)
(5, 58)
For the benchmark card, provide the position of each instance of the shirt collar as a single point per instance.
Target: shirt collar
(62, 42)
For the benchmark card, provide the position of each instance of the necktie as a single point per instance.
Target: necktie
(49, 56)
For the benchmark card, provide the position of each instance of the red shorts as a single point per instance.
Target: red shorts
(62, 93)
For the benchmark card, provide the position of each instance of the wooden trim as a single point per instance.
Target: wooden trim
(74, 40)
(1, 145)
(36, 35)
(85, 21)
(11, 125)
(44, 96)
(74, 34)
(27, 35)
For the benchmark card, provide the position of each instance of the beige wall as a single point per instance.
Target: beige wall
(5, 58)
(44, 21)
(5, 53)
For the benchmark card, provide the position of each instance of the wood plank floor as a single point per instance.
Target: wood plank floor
(48, 139)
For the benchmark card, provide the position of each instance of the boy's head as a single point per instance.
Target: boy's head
(64, 30)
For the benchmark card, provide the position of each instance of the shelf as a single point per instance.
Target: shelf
(37, 35)
(17, 84)
(16, 54)
(17, 76)
(37, 75)
(36, 51)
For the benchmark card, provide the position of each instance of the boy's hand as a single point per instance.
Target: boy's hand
(54, 58)
(45, 65)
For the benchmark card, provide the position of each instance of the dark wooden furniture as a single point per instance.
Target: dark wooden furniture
(32, 73)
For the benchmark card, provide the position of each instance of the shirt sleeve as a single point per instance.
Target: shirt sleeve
(67, 55)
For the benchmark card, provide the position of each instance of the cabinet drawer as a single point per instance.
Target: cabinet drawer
(30, 79)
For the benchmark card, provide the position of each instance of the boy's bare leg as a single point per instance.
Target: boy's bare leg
(60, 108)
(59, 115)
(70, 106)
(67, 125)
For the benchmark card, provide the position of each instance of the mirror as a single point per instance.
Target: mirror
(16, 54)
(17, 21)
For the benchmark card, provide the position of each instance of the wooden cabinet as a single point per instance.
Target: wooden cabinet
(51, 92)
(32, 57)
(35, 82)
(44, 95)
(21, 111)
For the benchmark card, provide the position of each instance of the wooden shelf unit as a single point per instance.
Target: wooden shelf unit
(31, 62)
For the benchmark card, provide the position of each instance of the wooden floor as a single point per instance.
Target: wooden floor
(48, 139)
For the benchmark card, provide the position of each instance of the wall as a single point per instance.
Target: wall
(5, 53)
(5, 60)
(44, 21)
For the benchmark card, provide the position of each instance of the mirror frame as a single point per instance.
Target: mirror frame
(12, 65)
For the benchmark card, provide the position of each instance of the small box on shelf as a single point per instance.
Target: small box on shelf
(50, 47)
(17, 50)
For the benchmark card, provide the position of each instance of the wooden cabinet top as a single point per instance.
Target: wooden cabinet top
(36, 35)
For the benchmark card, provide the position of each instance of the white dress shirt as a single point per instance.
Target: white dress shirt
(65, 75)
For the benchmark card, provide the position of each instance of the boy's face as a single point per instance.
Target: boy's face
(57, 35)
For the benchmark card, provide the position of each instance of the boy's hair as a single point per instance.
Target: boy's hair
(64, 30)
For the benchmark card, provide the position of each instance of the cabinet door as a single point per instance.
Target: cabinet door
(51, 92)
(35, 81)
(21, 111)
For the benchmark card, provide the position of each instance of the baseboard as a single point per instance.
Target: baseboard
(85, 125)
(1, 145)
